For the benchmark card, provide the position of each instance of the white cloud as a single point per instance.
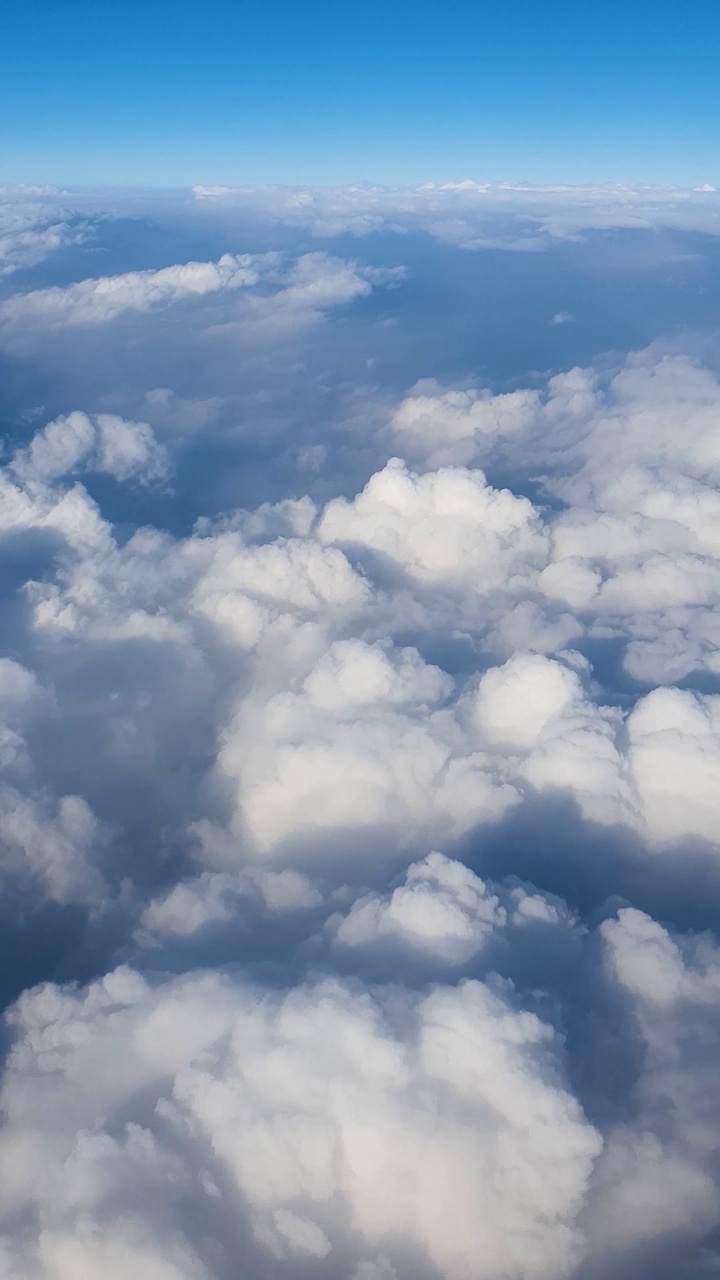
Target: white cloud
(448, 527)
(218, 897)
(315, 284)
(475, 215)
(450, 427)
(99, 301)
(340, 735)
(56, 852)
(675, 758)
(279, 296)
(442, 908)
(518, 701)
(387, 759)
(33, 224)
(334, 1122)
(635, 459)
(105, 443)
(658, 1176)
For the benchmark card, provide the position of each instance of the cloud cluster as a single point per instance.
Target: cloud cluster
(359, 846)
(635, 461)
(353, 1129)
(332, 731)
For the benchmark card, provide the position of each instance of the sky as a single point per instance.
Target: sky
(359, 642)
(171, 93)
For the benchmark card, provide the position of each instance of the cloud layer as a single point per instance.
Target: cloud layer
(359, 843)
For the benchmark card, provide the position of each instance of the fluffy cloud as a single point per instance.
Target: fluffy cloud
(442, 907)
(659, 1171)
(447, 526)
(634, 459)
(675, 756)
(324, 1122)
(441, 427)
(316, 283)
(56, 852)
(218, 897)
(104, 444)
(345, 733)
(290, 297)
(354, 769)
(33, 224)
(99, 301)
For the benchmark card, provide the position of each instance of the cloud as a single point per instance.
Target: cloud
(675, 754)
(448, 426)
(91, 302)
(34, 223)
(219, 897)
(442, 907)
(105, 444)
(448, 526)
(341, 731)
(58, 851)
(636, 544)
(324, 1122)
(316, 283)
(287, 297)
(474, 215)
(658, 1176)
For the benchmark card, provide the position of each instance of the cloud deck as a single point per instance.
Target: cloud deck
(360, 822)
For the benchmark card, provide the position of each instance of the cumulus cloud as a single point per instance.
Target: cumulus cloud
(104, 444)
(442, 907)
(219, 897)
(344, 730)
(634, 460)
(440, 426)
(282, 296)
(443, 527)
(91, 302)
(659, 1174)
(324, 1123)
(316, 283)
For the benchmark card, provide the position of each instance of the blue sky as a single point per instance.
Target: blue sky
(161, 92)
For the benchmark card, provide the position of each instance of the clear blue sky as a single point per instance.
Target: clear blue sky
(182, 91)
